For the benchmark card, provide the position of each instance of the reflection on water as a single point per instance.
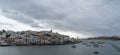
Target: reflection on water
(85, 48)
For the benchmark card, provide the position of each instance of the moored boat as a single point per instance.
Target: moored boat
(73, 46)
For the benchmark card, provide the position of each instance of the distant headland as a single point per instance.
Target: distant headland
(115, 38)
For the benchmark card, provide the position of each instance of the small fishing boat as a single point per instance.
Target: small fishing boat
(84, 43)
(96, 52)
(118, 49)
(96, 45)
(88, 45)
(73, 46)
(102, 45)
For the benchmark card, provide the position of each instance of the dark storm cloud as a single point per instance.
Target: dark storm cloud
(89, 17)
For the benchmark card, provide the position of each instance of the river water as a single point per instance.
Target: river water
(61, 49)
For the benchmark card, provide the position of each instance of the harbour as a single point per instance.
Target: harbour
(80, 49)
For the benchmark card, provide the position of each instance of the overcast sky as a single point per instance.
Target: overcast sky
(81, 18)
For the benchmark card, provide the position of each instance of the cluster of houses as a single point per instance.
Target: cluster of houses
(33, 38)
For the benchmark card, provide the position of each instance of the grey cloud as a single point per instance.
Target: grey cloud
(5, 24)
(89, 17)
(20, 17)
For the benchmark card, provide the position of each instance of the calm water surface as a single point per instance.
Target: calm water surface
(61, 50)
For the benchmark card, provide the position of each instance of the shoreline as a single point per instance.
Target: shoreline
(37, 45)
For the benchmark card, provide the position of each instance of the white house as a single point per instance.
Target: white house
(3, 35)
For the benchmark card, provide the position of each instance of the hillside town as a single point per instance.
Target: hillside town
(23, 38)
